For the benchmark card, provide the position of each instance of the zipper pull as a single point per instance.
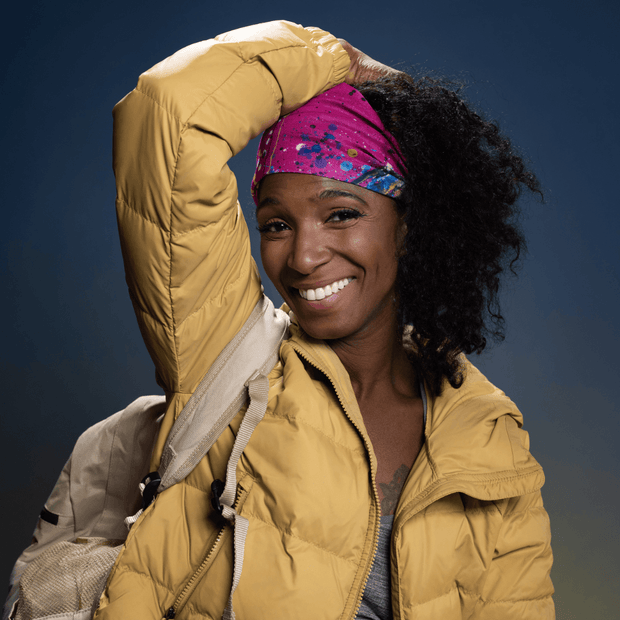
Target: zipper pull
(170, 614)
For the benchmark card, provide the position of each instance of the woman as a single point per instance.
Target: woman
(375, 448)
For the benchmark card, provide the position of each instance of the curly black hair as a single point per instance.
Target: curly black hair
(460, 207)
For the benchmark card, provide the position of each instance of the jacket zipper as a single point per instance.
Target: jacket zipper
(442, 490)
(194, 580)
(374, 482)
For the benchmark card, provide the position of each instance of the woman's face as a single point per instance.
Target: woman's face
(316, 232)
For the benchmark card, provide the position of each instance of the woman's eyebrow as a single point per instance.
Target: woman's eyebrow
(268, 200)
(338, 193)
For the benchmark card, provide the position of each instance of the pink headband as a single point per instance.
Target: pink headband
(336, 135)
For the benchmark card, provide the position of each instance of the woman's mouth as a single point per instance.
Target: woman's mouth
(317, 294)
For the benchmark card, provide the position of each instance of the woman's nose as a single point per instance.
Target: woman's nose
(309, 250)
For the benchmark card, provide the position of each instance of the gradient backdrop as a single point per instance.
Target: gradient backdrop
(548, 70)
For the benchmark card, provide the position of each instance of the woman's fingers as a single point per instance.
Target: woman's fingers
(363, 67)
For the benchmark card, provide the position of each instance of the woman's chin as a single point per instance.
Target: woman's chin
(325, 329)
(324, 334)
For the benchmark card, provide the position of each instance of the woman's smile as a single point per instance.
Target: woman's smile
(330, 248)
(319, 293)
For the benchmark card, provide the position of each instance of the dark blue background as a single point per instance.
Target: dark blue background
(548, 70)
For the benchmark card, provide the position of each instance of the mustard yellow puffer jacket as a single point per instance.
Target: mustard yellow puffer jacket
(470, 536)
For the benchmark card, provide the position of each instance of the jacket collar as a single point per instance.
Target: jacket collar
(474, 441)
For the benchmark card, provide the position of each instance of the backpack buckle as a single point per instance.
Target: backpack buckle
(217, 488)
(149, 486)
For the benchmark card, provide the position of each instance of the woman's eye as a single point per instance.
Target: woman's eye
(343, 215)
(272, 227)
(339, 216)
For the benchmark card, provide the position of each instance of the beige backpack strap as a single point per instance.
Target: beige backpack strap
(240, 370)
(258, 388)
(223, 391)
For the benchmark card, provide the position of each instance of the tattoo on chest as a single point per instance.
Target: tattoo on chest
(391, 491)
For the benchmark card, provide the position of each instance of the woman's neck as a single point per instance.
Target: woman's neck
(376, 361)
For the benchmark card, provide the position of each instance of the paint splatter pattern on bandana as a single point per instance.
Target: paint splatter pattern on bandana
(336, 135)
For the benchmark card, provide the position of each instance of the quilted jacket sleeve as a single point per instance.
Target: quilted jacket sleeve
(185, 243)
(518, 584)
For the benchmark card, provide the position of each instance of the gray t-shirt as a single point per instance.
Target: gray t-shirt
(377, 599)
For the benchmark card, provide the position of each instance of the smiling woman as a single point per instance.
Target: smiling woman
(388, 478)
(316, 232)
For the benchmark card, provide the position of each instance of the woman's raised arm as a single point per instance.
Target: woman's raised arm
(185, 243)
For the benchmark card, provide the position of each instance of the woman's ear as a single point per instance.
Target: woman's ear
(401, 235)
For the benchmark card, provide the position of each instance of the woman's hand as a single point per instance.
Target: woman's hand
(363, 67)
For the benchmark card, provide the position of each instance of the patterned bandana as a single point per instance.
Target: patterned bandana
(336, 135)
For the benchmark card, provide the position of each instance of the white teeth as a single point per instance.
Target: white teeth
(321, 293)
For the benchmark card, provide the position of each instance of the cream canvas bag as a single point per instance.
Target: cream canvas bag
(86, 519)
